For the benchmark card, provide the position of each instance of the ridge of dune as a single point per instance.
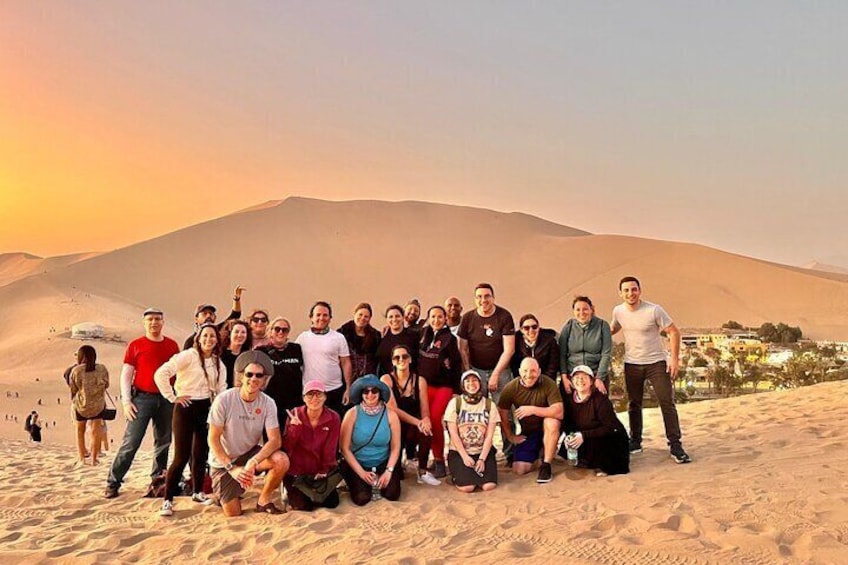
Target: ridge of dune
(766, 486)
(19, 265)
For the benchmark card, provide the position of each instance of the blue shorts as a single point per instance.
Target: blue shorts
(530, 449)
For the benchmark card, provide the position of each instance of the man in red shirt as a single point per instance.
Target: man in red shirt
(141, 400)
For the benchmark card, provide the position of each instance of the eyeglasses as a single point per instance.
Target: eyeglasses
(279, 330)
(401, 357)
(371, 390)
(530, 327)
(250, 375)
(313, 394)
(259, 320)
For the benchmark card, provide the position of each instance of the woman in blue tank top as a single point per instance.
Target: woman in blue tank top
(370, 443)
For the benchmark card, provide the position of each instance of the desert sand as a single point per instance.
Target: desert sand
(767, 485)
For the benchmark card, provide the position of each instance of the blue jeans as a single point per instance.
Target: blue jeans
(151, 407)
(503, 379)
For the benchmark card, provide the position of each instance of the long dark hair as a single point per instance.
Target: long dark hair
(86, 355)
(216, 351)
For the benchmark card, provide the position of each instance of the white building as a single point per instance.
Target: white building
(87, 330)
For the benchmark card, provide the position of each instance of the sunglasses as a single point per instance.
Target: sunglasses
(313, 394)
(279, 330)
(371, 390)
(402, 357)
(259, 320)
(250, 375)
(530, 327)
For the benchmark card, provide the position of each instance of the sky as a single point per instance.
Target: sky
(721, 123)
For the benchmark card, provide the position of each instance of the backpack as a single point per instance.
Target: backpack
(28, 423)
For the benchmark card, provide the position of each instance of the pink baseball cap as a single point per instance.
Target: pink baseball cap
(314, 385)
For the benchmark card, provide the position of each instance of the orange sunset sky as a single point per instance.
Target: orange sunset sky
(723, 125)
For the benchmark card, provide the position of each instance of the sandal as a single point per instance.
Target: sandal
(269, 508)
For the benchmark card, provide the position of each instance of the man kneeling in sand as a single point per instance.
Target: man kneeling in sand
(538, 408)
(236, 421)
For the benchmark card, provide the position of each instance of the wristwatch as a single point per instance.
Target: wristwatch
(229, 466)
(390, 469)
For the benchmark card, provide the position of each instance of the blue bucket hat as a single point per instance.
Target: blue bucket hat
(366, 382)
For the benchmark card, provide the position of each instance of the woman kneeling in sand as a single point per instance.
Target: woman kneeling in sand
(593, 428)
(471, 419)
(370, 443)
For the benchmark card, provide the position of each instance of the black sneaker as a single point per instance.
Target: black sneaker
(679, 455)
(544, 473)
(111, 492)
(635, 446)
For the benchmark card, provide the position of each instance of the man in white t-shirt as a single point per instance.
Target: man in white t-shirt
(645, 360)
(236, 421)
(326, 357)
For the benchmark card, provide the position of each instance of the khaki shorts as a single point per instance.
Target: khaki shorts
(224, 487)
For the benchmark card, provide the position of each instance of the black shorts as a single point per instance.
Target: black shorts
(79, 418)
(466, 476)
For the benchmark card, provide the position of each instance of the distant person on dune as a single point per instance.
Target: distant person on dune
(33, 426)
(207, 314)
(585, 339)
(142, 402)
(645, 360)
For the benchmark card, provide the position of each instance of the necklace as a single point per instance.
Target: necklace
(372, 410)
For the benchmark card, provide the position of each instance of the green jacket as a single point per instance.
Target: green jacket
(591, 346)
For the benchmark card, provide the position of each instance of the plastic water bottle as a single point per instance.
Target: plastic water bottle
(571, 453)
(375, 490)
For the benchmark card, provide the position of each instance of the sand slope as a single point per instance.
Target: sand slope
(291, 253)
(767, 486)
(15, 266)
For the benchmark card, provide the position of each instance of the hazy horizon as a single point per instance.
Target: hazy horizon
(721, 125)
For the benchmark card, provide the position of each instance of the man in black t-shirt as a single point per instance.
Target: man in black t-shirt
(487, 343)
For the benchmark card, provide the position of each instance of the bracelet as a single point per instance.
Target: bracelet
(390, 469)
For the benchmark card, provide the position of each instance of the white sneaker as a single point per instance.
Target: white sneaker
(428, 479)
(167, 508)
(201, 498)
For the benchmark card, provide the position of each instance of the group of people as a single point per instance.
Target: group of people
(362, 405)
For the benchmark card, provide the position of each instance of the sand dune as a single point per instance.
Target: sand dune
(292, 253)
(766, 486)
(15, 266)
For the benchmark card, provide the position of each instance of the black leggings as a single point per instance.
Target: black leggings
(412, 438)
(190, 442)
(360, 491)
